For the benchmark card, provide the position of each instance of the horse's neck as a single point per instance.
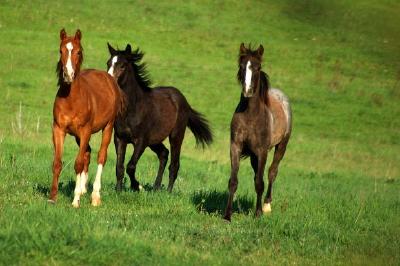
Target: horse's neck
(133, 90)
(251, 105)
(256, 104)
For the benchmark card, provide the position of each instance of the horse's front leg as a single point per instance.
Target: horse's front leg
(58, 141)
(233, 181)
(84, 138)
(131, 167)
(120, 149)
(259, 180)
(101, 161)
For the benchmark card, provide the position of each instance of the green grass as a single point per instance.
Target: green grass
(336, 197)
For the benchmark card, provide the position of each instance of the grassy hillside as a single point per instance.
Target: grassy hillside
(336, 198)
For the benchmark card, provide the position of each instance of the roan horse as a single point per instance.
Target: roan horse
(87, 101)
(151, 116)
(262, 120)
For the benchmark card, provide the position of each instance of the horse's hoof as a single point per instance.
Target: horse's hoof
(96, 200)
(75, 204)
(266, 208)
(51, 201)
(227, 218)
(137, 188)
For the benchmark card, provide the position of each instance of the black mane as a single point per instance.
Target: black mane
(59, 72)
(139, 68)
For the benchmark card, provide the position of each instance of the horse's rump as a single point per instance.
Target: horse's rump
(280, 115)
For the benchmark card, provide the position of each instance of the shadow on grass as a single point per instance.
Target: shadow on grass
(215, 202)
(66, 189)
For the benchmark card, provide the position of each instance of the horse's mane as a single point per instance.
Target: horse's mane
(141, 74)
(264, 86)
(59, 72)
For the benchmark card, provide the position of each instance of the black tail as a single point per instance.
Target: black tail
(200, 128)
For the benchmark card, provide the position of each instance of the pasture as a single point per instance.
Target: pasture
(336, 197)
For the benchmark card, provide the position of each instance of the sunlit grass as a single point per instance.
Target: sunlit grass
(336, 198)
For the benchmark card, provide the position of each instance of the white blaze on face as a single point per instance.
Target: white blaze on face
(249, 74)
(70, 70)
(113, 61)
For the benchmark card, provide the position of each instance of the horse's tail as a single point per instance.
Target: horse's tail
(200, 128)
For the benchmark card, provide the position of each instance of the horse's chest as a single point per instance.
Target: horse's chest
(252, 131)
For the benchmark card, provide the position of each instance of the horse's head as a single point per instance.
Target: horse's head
(71, 56)
(249, 69)
(119, 61)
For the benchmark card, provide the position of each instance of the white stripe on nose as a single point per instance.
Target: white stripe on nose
(248, 76)
(70, 70)
(113, 61)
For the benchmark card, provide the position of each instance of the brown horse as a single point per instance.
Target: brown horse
(86, 102)
(262, 120)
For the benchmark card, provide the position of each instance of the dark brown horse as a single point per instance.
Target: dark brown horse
(87, 101)
(151, 116)
(262, 120)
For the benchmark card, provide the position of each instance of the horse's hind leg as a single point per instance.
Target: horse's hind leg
(162, 154)
(85, 172)
(101, 161)
(175, 139)
(58, 141)
(272, 173)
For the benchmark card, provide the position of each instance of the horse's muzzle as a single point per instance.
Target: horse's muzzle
(248, 94)
(68, 78)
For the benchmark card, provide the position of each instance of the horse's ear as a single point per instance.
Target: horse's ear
(260, 50)
(78, 34)
(242, 49)
(128, 49)
(63, 34)
(111, 49)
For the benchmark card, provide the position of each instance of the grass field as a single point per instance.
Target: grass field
(336, 197)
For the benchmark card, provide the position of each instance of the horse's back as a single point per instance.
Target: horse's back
(280, 114)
